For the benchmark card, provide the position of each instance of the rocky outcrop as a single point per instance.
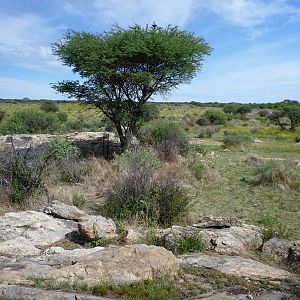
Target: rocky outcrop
(113, 264)
(27, 293)
(96, 227)
(217, 222)
(60, 210)
(235, 265)
(219, 235)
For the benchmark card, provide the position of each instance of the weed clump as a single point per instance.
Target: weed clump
(145, 193)
(236, 139)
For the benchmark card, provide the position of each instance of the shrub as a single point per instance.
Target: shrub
(274, 173)
(140, 192)
(30, 121)
(197, 168)
(49, 106)
(208, 131)
(22, 172)
(214, 117)
(235, 139)
(79, 200)
(63, 149)
(264, 113)
(167, 137)
(203, 121)
(2, 114)
(189, 243)
(62, 116)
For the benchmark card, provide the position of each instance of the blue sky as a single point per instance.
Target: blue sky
(256, 43)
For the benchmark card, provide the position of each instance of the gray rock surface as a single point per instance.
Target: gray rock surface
(217, 222)
(95, 227)
(112, 264)
(228, 240)
(60, 210)
(235, 265)
(15, 292)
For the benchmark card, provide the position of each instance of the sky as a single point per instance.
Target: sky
(256, 56)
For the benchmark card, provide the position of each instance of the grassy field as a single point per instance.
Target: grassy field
(227, 185)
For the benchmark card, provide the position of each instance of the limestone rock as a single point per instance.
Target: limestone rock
(27, 293)
(112, 264)
(235, 265)
(36, 227)
(232, 240)
(95, 227)
(60, 210)
(217, 222)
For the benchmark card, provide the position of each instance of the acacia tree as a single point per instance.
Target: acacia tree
(288, 116)
(123, 68)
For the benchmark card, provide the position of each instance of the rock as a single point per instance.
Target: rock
(36, 227)
(235, 265)
(27, 293)
(95, 227)
(60, 210)
(233, 240)
(133, 236)
(217, 222)
(282, 250)
(112, 264)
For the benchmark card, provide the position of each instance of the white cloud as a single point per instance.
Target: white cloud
(248, 13)
(128, 12)
(24, 41)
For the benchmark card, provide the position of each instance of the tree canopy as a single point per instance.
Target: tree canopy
(123, 68)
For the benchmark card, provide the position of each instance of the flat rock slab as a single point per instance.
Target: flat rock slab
(112, 264)
(235, 265)
(27, 293)
(273, 295)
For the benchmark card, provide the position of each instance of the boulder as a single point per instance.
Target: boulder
(228, 240)
(235, 265)
(113, 264)
(35, 227)
(96, 227)
(60, 210)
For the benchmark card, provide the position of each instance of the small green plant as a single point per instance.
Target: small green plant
(37, 281)
(2, 115)
(197, 168)
(201, 149)
(63, 148)
(189, 243)
(79, 200)
(62, 116)
(102, 242)
(212, 117)
(49, 106)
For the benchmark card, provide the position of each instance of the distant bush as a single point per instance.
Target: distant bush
(212, 117)
(2, 114)
(49, 106)
(143, 193)
(236, 139)
(166, 136)
(208, 131)
(30, 121)
(264, 113)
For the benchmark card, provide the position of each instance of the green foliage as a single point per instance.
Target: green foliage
(189, 243)
(2, 115)
(30, 121)
(62, 116)
(102, 242)
(274, 228)
(138, 62)
(197, 168)
(79, 200)
(236, 139)
(263, 113)
(212, 117)
(63, 148)
(287, 116)
(140, 192)
(49, 106)
(167, 137)
(236, 108)
(146, 157)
